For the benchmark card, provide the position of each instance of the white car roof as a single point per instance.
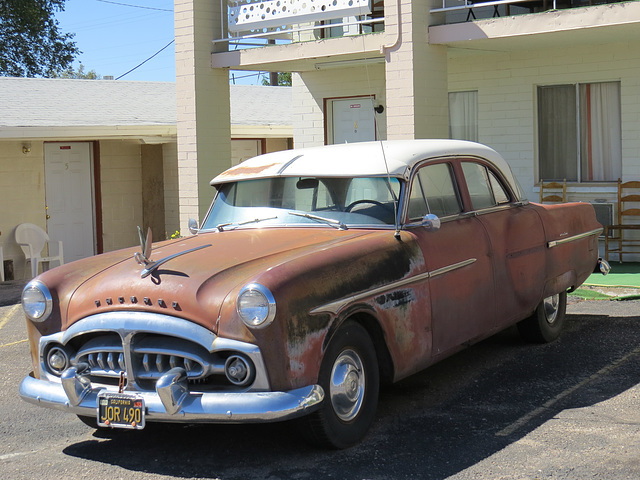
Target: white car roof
(367, 159)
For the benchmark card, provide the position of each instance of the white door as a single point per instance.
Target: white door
(69, 197)
(353, 120)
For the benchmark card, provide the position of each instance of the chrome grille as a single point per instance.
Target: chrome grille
(109, 363)
(145, 346)
(151, 356)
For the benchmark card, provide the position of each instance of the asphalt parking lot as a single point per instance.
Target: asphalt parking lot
(502, 409)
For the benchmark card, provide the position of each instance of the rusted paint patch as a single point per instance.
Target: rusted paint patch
(241, 170)
(395, 299)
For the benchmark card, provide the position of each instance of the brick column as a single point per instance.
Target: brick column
(204, 131)
(416, 74)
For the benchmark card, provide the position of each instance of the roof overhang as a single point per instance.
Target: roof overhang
(593, 25)
(116, 132)
(262, 131)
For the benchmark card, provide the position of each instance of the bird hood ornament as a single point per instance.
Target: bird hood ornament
(143, 257)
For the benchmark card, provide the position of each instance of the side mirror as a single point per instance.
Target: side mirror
(431, 222)
(193, 226)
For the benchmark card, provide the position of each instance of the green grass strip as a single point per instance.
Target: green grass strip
(590, 294)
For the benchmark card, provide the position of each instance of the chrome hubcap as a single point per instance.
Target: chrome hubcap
(347, 385)
(550, 305)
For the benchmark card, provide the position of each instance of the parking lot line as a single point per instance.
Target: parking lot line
(5, 318)
(505, 432)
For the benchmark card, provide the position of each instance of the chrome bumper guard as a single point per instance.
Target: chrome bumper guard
(172, 401)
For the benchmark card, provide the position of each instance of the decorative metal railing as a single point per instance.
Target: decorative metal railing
(284, 21)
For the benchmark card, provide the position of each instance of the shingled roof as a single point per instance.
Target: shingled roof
(40, 102)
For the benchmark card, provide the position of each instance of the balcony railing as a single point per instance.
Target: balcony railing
(260, 22)
(254, 22)
(467, 10)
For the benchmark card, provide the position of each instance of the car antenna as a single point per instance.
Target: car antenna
(396, 234)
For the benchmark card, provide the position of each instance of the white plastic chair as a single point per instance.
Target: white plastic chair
(32, 239)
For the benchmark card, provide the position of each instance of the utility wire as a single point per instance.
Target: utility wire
(142, 63)
(135, 6)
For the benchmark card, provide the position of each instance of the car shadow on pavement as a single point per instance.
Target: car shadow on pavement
(434, 424)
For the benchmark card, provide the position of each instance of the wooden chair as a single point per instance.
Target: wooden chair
(622, 234)
(553, 192)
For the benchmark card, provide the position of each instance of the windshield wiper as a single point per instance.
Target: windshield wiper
(221, 227)
(329, 221)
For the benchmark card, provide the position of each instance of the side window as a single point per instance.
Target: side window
(484, 187)
(499, 193)
(433, 191)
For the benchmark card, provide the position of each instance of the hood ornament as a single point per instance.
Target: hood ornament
(145, 245)
(143, 257)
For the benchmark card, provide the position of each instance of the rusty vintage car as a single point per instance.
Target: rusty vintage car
(316, 275)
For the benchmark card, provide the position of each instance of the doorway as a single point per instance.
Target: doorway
(350, 120)
(70, 198)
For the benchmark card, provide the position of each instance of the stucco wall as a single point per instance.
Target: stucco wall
(22, 195)
(121, 175)
(507, 83)
(171, 208)
(310, 88)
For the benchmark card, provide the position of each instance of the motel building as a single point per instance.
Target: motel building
(554, 86)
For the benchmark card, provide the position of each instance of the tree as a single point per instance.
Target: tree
(284, 79)
(80, 73)
(31, 44)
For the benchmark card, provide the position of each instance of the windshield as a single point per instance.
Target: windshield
(338, 202)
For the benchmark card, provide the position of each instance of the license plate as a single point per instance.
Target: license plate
(120, 410)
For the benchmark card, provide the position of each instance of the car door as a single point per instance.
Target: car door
(516, 237)
(457, 257)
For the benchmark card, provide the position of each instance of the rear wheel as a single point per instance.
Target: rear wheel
(350, 378)
(546, 323)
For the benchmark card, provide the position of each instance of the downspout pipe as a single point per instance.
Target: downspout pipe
(385, 48)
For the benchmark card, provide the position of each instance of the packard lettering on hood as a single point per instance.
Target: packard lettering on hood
(316, 275)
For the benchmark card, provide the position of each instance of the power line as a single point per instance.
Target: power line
(142, 63)
(135, 6)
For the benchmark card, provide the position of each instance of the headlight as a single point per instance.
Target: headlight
(239, 370)
(57, 360)
(36, 301)
(256, 305)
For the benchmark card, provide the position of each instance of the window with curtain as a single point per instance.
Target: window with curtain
(463, 115)
(580, 132)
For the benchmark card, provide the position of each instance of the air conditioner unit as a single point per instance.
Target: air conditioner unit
(604, 215)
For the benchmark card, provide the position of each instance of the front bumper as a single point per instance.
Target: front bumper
(172, 403)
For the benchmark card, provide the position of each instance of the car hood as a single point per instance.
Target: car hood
(194, 282)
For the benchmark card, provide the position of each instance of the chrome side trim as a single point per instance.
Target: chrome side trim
(335, 307)
(451, 268)
(219, 407)
(555, 243)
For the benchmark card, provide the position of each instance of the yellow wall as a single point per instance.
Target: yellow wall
(22, 195)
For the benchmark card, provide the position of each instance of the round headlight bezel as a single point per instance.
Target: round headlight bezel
(256, 305)
(245, 373)
(54, 354)
(37, 302)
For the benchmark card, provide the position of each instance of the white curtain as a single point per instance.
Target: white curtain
(580, 132)
(600, 132)
(557, 133)
(463, 115)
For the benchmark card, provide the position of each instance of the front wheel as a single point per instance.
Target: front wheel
(350, 378)
(547, 321)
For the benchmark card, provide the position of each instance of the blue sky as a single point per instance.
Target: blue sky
(117, 35)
